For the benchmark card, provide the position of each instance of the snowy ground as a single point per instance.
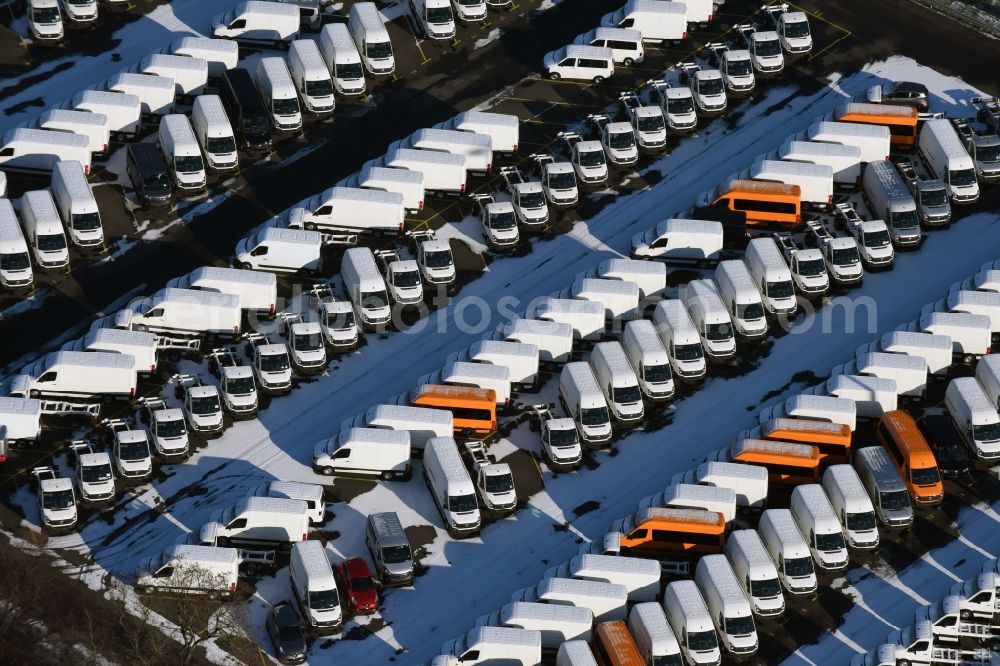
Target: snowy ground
(466, 579)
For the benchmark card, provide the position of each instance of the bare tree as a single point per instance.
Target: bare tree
(22, 583)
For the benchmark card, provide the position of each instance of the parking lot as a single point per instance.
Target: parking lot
(484, 68)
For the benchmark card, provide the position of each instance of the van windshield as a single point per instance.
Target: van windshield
(321, 88)
(62, 499)
(962, 178)
(254, 125)
(830, 542)
(532, 200)
(656, 374)
(156, 180)
(765, 588)
(14, 262)
(168, 429)
(439, 15)
(340, 320)
(811, 267)
(502, 221)
(285, 107)
(51, 242)
(308, 342)
(750, 311)
(594, 416)
(592, 158)
(563, 438)
(133, 450)
(274, 362)
(205, 405)
(95, 473)
(783, 289)
(861, 522)
(710, 87)
(894, 500)
(925, 477)
(846, 255)
(406, 279)
(738, 68)
(740, 626)
(621, 140)
(396, 554)
(240, 386)
(649, 123)
(45, 14)
(188, 163)
(988, 153)
(350, 71)
(439, 259)
(462, 503)
(562, 181)
(719, 332)
(797, 29)
(906, 219)
(221, 144)
(877, 238)
(680, 105)
(936, 197)
(767, 48)
(702, 640)
(499, 483)
(379, 50)
(87, 221)
(374, 300)
(667, 660)
(626, 394)
(324, 599)
(989, 432)
(798, 566)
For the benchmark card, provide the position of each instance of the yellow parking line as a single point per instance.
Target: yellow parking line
(830, 45)
(818, 14)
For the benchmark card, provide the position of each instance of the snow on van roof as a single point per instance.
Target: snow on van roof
(785, 168)
(452, 136)
(422, 415)
(339, 37)
(171, 61)
(816, 501)
(819, 148)
(768, 252)
(587, 51)
(804, 425)
(106, 98)
(847, 480)
(820, 402)
(50, 137)
(374, 174)
(644, 332)
(73, 179)
(823, 127)
(424, 157)
(505, 636)
(29, 406)
(889, 178)
(582, 376)
(889, 360)
(590, 588)
(915, 339)
(967, 298)
(676, 226)
(737, 273)
(654, 621)
(272, 505)
(445, 449)
(758, 187)
(184, 551)
(503, 347)
(298, 236)
(269, 8)
(688, 597)
(615, 564)
(221, 46)
(226, 274)
(691, 492)
(369, 15)
(784, 525)
(454, 392)
(73, 116)
(957, 319)
(704, 291)
(294, 489)
(478, 370)
(41, 203)
(538, 327)
(338, 193)
(530, 610)
(90, 359)
(720, 571)
(276, 70)
(178, 125)
(487, 118)
(787, 449)
(550, 304)
(732, 470)
(699, 516)
(750, 543)
(874, 385)
(616, 33)
(376, 436)
(141, 80)
(973, 395)
(316, 563)
(210, 106)
(622, 265)
(869, 109)
(307, 51)
(605, 286)
(198, 297)
(118, 336)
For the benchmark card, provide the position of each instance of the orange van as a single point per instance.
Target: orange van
(787, 463)
(474, 410)
(669, 531)
(901, 120)
(832, 439)
(898, 433)
(613, 645)
(764, 203)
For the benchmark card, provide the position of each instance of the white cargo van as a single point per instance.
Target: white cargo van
(884, 486)
(278, 92)
(36, 151)
(503, 129)
(649, 359)
(727, 605)
(188, 568)
(988, 375)
(741, 298)
(258, 292)
(619, 298)
(44, 21)
(214, 133)
(639, 576)
(771, 276)
(814, 408)
(342, 59)
(718, 499)
(372, 39)
(554, 340)
(974, 414)
(689, 618)
(946, 158)
(124, 112)
(749, 482)
(156, 93)
(625, 45)
(365, 287)
(184, 312)
(579, 63)
(658, 21)
(311, 76)
(76, 204)
(402, 181)
(94, 126)
(375, 451)
(753, 566)
(351, 210)
(71, 374)
(310, 493)
(872, 396)
(256, 22)
(818, 522)
(889, 199)
(815, 181)
(444, 173)
(453, 490)
(220, 54)
(909, 372)
(681, 241)
(681, 339)
(422, 423)
(584, 402)
(495, 645)
(652, 635)
(970, 334)
(711, 318)
(15, 262)
(650, 277)
(476, 148)
(315, 587)
(788, 550)
(181, 152)
(137, 344)
(586, 317)
(872, 140)
(850, 501)
(934, 349)
(520, 359)
(974, 302)
(556, 623)
(607, 601)
(434, 18)
(481, 375)
(844, 160)
(281, 251)
(265, 521)
(188, 74)
(44, 230)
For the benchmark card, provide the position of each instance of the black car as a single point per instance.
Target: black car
(903, 93)
(149, 175)
(285, 630)
(947, 444)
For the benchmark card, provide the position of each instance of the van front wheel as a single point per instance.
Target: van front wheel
(327, 471)
(628, 62)
(388, 476)
(245, 266)
(554, 76)
(598, 79)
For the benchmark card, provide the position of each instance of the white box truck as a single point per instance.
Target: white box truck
(502, 128)
(422, 423)
(662, 22)
(650, 277)
(639, 576)
(44, 230)
(403, 181)
(444, 173)
(36, 151)
(607, 601)
(366, 26)
(94, 126)
(844, 160)
(556, 623)
(220, 54)
(619, 298)
(76, 204)
(83, 375)
(156, 93)
(872, 140)
(815, 181)
(20, 423)
(186, 568)
(257, 291)
(139, 345)
(257, 521)
(475, 147)
(352, 210)
(452, 489)
(554, 340)
(586, 317)
(496, 645)
(947, 159)
(123, 111)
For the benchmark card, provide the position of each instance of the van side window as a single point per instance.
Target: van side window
(595, 64)
(165, 572)
(7, 152)
(764, 206)
(660, 242)
(640, 533)
(342, 453)
(47, 377)
(259, 251)
(324, 210)
(471, 655)
(627, 23)
(156, 312)
(568, 62)
(238, 24)
(618, 44)
(721, 203)
(948, 622)
(237, 524)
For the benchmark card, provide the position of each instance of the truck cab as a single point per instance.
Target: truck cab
(56, 499)
(617, 139)
(736, 68)
(94, 474)
(765, 50)
(494, 481)
(792, 28)
(436, 263)
(587, 158)
(648, 124)
(498, 221)
(236, 384)
(872, 237)
(558, 181)
(201, 405)
(807, 266)
(707, 89)
(336, 319)
(130, 452)
(841, 255)
(305, 344)
(168, 429)
(527, 197)
(271, 364)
